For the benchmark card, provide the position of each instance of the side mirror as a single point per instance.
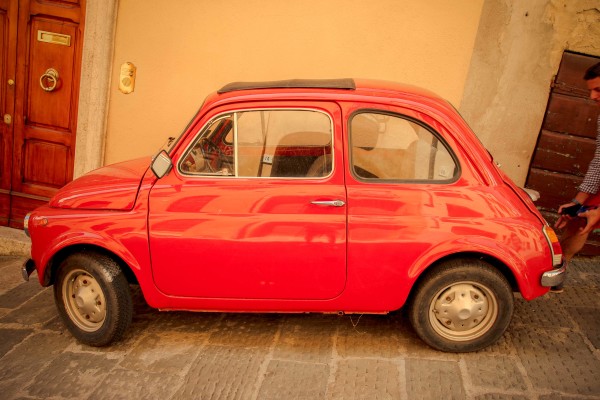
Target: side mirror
(161, 164)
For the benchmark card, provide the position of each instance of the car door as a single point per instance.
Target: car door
(405, 187)
(255, 206)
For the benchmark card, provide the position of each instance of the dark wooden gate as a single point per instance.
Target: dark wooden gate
(567, 141)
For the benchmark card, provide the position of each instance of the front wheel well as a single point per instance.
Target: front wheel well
(60, 256)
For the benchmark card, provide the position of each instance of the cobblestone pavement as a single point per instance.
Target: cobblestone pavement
(551, 351)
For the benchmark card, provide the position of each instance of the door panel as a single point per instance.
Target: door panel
(43, 107)
(8, 57)
(48, 53)
(256, 238)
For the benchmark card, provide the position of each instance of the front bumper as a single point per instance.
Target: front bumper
(554, 277)
(27, 269)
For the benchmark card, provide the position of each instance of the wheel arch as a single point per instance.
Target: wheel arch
(57, 258)
(495, 262)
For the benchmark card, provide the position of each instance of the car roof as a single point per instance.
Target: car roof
(321, 89)
(344, 83)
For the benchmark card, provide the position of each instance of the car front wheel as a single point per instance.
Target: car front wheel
(93, 299)
(461, 306)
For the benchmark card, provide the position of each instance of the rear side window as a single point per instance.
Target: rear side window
(263, 143)
(393, 147)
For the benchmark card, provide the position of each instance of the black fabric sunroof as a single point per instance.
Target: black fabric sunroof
(345, 84)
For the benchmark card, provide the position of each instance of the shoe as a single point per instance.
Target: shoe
(556, 289)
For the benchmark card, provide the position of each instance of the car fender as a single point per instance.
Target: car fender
(136, 258)
(475, 246)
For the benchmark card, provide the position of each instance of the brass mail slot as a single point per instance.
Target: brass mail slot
(55, 38)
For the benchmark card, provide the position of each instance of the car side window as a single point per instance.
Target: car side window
(263, 143)
(393, 147)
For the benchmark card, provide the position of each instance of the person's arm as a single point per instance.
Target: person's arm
(579, 199)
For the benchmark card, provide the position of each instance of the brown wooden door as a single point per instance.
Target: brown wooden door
(567, 141)
(8, 60)
(39, 139)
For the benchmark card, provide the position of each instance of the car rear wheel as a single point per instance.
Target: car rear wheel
(93, 299)
(461, 306)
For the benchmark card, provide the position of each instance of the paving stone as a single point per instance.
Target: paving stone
(71, 374)
(223, 373)
(126, 384)
(19, 368)
(413, 346)
(557, 360)
(428, 379)
(500, 396)
(33, 353)
(587, 265)
(55, 324)
(180, 321)
(11, 337)
(10, 273)
(577, 296)
(307, 338)
(116, 350)
(366, 379)
(20, 294)
(588, 319)
(294, 381)
(541, 312)
(494, 371)
(38, 310)
(11, 262)
(561, 396)
(246, 330)
(168, 353)
(369, 336)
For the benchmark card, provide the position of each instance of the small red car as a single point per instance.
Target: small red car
(329, 196)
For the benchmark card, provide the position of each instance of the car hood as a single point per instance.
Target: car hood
(113, 187)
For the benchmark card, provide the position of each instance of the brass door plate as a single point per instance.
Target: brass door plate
(54, 38)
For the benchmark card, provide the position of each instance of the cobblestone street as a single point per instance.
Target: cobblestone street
(551, 351)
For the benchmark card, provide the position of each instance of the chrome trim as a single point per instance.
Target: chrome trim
(332, 203)
(554, 277)
(27, 269)
(26, 224)
(534, 195)
(233, 114)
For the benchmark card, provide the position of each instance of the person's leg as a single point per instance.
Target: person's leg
(571, 243)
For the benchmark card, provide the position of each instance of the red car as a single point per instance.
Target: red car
(329, 196)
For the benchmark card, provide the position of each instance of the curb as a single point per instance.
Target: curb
(14, 242)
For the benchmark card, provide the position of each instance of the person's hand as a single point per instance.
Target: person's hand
(593, 218)
(563, 218)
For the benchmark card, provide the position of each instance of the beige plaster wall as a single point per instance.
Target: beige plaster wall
(517, 53)
(184, 49)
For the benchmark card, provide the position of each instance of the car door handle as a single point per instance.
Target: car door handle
(329, 203)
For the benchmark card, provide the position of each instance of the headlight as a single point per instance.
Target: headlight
(26, 224)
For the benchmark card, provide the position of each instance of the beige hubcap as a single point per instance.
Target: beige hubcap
(84, 300)
(463, 311)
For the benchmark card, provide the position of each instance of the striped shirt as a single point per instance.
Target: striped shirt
(591, 181)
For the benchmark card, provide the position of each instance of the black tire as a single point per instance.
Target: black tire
(93, 298)
(462, 305)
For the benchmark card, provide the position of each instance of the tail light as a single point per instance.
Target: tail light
(554, 245)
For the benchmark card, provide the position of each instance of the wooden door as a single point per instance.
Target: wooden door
(49, 38)
(567, 141)
(8, 59)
